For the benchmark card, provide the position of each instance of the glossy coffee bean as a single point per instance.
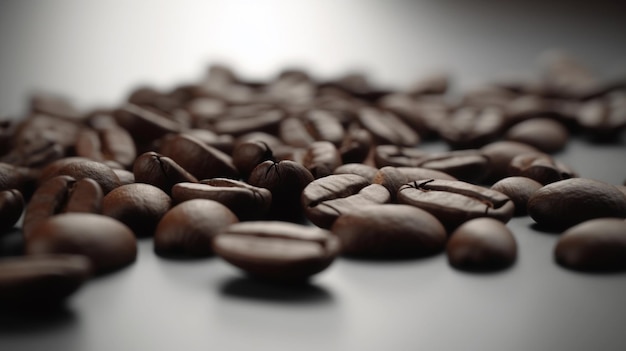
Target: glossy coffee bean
(11, 208)
(540, 167)
(106, 144)
(108, 243)
(387, 128)
(455, 202)
(249, 154)
(594, 245)
(321, 159)
(325, 199)
(519, 190)
(189, 228)
(139, 206)
(161, 171)
(500, 154)
(246, 201)
(569, 202)
(97, 171)
(277, 250)
(545, 134)
(285, 180)
(365, 171)
(393, 178)
(389, 231)
(41, 280)
(481, 244)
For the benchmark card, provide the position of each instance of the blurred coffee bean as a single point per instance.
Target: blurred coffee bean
(545, 134)
(277, 251)
(206, 110)
(568, 202)
(7, 130)
(519, 190)
(143, 124)
(54, 105)
(248, 155)
(466, 165)
(223, 142)
(106, 144)
(139, 206)
(20, 178)
(11, 208)
(391, 231)
(162, 172)
(79, 169)
(321, 158)
(398, 156)
(356, 145)
(365, 171)
(266, 121)
(189, 228)
(126, 177)
(108, 244)
(604, 118)
(482, 244)
(540, 167)
(471, 127)
(387, 128)
(434, 83)
(324, 125)
(293, 131)
(500, 154)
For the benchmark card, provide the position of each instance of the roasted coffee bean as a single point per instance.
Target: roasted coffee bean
(434, 83)
(321, 158)
(189, 228)
(285, 180)
(327, 198)
(540, 167)
(34, 151)
(59, 195)
(568, 202)
(455, 202)
(7, 130)
(139, 206)
(248, 155)
(108, 243)
(54, 105)
(205, 110)
(20, 178)
(246, 201)
(143, 124)
(545, 134)
(270, 140)
(155, 169)
(387, 128)
(389, 231)
(519, 190)
(223, 142)
(41, 280)
(466, 165)
(202, 161)
(277, 251)
(356, 145)
(106, 144)
(481, 244)
(500, 154)
(472, 127)
(80, 169)
(407, 108)
(397, 156)
(126, 177)
(593, 245)
(324, 125)
(365, 171)
(392, 178)
(266, 121)
(604, 118)
(293, 131)
(52, 169)
(11, 208)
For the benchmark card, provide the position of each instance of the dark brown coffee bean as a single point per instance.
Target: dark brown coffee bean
(604, 118)
(356, 145)
(139, 206)
(126, 177)
(266, 121)
(248, 155)
(455, 202)
(569, 202)
(202, 161)
(51, 170)
(466, 165)
(246, 201)
(40, 140)
(293, 131)
(392, 178)
(324, 125)
(223, 142)
(519, 190)
(155, 169)
(106, 144)
(365, 171)
(593, 245)
(41, 280)
(325, 199)
(545, 134)
(189, 227)
(109, 244)
(277, 250)
(434, 83)
(408, 109)
(321, 158)
(59, 195)
(145, 125)
(472, 127)
(7, 130)
(482, 244)
(500, 154)
(11, 208)
(285, 180)
(20, 178)
(387, 128)
(205, 110)
(397, 156)
(540, 167)
(80, 169)
(389, 231)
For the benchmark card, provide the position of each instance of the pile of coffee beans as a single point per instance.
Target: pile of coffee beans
(280, 177)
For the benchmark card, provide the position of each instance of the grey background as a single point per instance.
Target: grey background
(96, 52)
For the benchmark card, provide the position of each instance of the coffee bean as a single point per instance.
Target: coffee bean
(41, 280)
(392, 178)
(387, 128)
(143, 124)
(593, 245)
(568, 202)
(293, 131)
(139, 206)
(80, 169)
(223, 142)
(248, 155)
(466, 165)
(106, 144)
(11, 208)
(482, 244)
(155, 169)
(7, 130)
(324, 125)
(365, 171)
(54, 105)
(540, 167)
(321, 158)
(500, 154)
(125, 177)
(205, 110)
(246, 201)
(389, 231)
(277, 250)
(519, 190)
(327, 198)
(109, 244)
(285, 180)
(202, 161)
(472, 127)
(414, 113)
(545, 134)
(20, 178)
(267, 121)
(397, 156)
(455, 202)
(356, 145)
(189, 227)
(604, 118)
